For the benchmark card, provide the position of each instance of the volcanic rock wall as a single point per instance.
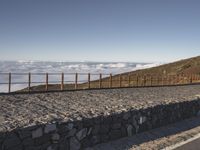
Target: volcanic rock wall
(84, 133)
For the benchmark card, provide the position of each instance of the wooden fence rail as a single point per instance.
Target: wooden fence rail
(100, 81)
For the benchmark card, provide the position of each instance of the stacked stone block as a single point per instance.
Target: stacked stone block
(87, 132)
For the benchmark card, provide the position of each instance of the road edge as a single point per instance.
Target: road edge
(172, 147)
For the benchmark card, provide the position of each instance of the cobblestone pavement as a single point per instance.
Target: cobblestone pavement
(156, 139)
(22, 110)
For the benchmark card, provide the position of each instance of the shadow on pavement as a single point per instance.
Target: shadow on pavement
(138, 139)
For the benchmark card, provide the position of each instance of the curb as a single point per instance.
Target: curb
(172, 147)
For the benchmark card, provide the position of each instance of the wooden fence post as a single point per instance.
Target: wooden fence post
(9, 82)
(137, 78)
(172, 80)
(194, 78)
(158, 81)
(145, 80)
(76, 80)
(29, 82)
(151, 80)
(120, 80)
(88, 80)
(47, 81)
(191, 79)
(162, 81)
(177, 79)
(129, 80)
(100, 80)
(110, 81)
(181, 79)
(62, 82)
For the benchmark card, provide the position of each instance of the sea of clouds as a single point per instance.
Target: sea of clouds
(59, 67)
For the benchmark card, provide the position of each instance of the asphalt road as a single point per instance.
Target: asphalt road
(193, 145)
(164, 138)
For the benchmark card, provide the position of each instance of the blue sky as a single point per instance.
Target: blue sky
(99, 30)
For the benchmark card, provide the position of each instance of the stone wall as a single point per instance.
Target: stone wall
(75, 135)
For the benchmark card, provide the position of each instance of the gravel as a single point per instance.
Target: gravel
(22, 110)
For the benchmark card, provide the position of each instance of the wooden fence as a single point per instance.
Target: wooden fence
(98, 82)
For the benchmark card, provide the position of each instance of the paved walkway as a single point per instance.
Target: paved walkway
(194, 145)
(159, 139)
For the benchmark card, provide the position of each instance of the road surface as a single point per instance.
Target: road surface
(193, 145)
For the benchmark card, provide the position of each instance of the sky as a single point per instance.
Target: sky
(99, 30)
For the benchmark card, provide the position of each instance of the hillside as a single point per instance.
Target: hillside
(186, 66)
(178, 72)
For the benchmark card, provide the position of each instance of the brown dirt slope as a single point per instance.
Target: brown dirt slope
(186, 66)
